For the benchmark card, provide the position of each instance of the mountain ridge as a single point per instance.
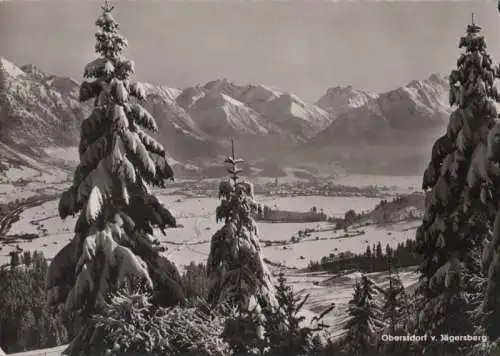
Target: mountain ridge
(390, 134)
(417, 108)
(341, 98)
(39, 110)
(262, 110)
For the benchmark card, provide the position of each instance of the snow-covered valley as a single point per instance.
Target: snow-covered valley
(191, 242)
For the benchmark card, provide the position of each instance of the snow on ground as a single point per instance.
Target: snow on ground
(12, 153)
(15, 173)
(8, 192)
(10, 68)
(67, 154)
(41, 217)
(49, 185)
(192, 243)
(325, 289)
(332, 206)
(54, 351)
(42, 220)
(399, 182)
(300, 254)
(197, 215)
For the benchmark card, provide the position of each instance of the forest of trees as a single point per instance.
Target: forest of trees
(26, 322)
(374, 259)
(276, 215)
(110, 291)
(386, 212)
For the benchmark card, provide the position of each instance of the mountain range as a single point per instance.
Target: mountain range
(40, 111)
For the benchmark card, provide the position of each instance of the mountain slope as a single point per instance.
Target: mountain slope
(219, 115)
(36, 109)
(340, 99)
(178, 132)
(223, 108)
(390, 134)
(413, 112)
(39, 111)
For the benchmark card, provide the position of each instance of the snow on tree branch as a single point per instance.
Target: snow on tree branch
(111, 191)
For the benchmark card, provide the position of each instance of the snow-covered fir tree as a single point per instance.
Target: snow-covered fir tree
(490, 194)
(456, 221)
(365, 319)
(237, 273)
(285, 332)
(395, 309)
(111, 190)
(395, 304)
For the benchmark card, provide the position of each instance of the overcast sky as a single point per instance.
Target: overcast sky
(302, 46)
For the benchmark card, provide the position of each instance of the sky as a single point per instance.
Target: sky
(300, 46)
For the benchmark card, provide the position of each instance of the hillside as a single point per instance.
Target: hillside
(412, 112)
(391, 133)
(40, 110)
(340, 99)
(223, 108)
(37, 110)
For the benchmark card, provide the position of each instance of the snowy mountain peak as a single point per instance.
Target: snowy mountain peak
(340, 99)
(255, 94)
(434, 80)
(10, 68)
(439, 78)
(33, 70)
(162, 91)
(219, 84)
(426, 95)
(225, 86)
(221, 107)
(43, 110)
(410, 113)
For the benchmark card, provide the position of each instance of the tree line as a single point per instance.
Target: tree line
(275, 215)
(374, 259)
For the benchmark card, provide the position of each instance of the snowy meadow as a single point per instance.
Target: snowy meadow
(191, 241)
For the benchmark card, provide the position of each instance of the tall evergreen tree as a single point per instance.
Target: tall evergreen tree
(395, 309)
(235, 266)
(365, 319)
(456, 220)
(285, 332)
(111, 190)
(395, 306)
(490, 195)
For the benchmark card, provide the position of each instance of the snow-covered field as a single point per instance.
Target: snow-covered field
(197, 215)
(332, 206)
(66, 154)
(396, 183)
(325, 289)
(192, 242)
(53, 351)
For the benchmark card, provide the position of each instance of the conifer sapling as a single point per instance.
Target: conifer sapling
(235, 266)
(365, 319)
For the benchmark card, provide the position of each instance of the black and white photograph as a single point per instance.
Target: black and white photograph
(249, 178)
